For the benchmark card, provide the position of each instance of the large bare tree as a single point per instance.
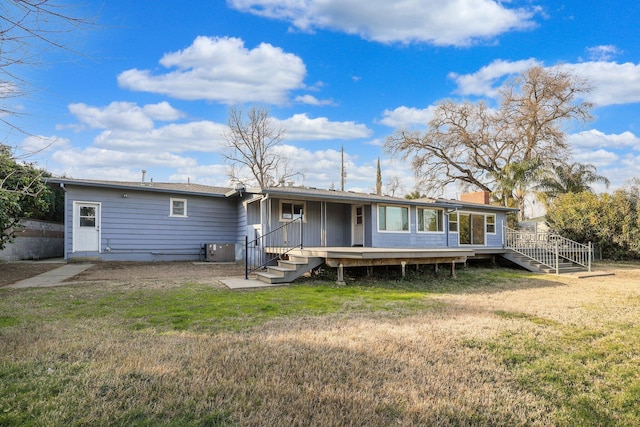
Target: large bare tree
(252, 141)
(472, 145)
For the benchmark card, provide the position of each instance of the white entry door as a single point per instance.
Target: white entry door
(86, 227)
(357, 226)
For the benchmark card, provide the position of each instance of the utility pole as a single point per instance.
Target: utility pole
(343, 172)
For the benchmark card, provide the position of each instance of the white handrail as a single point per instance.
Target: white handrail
(547, 248)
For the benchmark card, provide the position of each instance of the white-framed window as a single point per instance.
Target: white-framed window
(290, 210)
(178, 207)
(453, 222)
(430, 220)
(490, 222)
(393, 218)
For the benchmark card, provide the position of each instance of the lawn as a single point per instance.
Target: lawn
(492, 347)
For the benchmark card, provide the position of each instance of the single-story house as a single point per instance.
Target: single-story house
(147, 221)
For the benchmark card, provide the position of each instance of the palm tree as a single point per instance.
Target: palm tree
(514, 181)
(571, 178)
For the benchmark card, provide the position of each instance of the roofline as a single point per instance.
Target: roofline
(123, 186)
(343, 196)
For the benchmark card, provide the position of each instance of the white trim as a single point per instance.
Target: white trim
(176, 199)
(442, 221)
(76, 225)
(293, 216)
(407, 207)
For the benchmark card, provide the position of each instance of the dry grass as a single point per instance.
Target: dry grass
(462, 353)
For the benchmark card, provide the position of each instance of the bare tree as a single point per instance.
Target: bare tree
(252, 146)
(27, 29)
(471, 144)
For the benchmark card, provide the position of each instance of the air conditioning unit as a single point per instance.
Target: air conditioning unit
(220, 252)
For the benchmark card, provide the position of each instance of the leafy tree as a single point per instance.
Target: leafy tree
(415, 194)
(608, 220)
(22, 194)
(252, 145)
(569, 178)
(472, 145)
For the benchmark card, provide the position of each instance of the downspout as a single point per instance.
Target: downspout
(64, 221)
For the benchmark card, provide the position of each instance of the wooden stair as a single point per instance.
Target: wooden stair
(531, 264)
(288, 270)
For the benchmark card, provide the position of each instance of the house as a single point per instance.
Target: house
(147, 221)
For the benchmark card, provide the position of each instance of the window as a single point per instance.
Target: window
(393, 218)
(178, 207)
(291, 210)
(453, 222)
(430, 220)
(491, 224)
(87, 216)
(359, 215)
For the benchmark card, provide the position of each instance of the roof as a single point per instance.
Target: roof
(163, 187)
(309, 193)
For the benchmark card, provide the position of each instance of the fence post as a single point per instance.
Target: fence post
(590, 249)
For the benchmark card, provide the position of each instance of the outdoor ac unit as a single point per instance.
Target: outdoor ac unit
(220, 252)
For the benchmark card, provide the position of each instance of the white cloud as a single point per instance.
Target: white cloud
(312, 100)
(485, 81)
(407, 117)
(124, 115)
(594, 138)
(35, 145)
(613, 83)
(603, 52)
(222, 70)
(443, 23)
(300, 127)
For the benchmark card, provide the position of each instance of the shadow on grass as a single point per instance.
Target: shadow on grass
(474, 279)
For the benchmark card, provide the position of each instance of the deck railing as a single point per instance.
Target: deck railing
(266, 249)
(548, 248)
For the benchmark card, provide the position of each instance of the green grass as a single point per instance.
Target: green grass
(590, 375)
(78, 355)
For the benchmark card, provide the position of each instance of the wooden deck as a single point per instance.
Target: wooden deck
(371, 257)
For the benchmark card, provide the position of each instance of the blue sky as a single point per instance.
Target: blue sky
(153, 85)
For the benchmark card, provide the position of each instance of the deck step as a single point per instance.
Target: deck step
(532, 265)
(289, 270)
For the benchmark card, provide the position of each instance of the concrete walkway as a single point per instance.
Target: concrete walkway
(55, 277)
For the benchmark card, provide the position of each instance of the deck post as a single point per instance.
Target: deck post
(340, 280)
(404, 268)
(301, 236)
(453, 269)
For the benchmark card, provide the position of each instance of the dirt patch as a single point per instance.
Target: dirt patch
(159, 273)
(12, 272)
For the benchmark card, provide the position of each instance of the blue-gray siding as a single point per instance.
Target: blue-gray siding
(139, 228)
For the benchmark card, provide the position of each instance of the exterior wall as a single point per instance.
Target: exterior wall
(415, 239)
(37, 240)
(336, 216)
(139, 228)
(338, 220)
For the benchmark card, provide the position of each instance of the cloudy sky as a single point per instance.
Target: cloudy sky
(154, 82)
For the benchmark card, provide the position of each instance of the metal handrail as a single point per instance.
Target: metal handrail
(266, 249)
(548, 248)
